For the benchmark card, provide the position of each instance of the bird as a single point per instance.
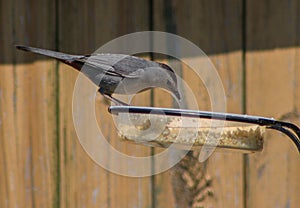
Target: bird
(117, 73)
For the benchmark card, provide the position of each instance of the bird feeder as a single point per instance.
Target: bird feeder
(190, 129)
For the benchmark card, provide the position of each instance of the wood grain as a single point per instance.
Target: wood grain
(10, 176)
(28, 109)
(273, 169)
(272, 81)
(213, 34)
(84, 183)
(42, 161)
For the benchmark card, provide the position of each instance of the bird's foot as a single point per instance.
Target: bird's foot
(112, 99)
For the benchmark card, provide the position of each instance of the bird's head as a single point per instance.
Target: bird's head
(170, 83)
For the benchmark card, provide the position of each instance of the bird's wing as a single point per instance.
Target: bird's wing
(117, 64)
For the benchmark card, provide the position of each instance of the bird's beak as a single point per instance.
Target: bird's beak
(177, 95)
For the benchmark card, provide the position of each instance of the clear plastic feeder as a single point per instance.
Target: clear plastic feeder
(188, 129)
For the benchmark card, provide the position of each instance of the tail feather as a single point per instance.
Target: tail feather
(53, 54)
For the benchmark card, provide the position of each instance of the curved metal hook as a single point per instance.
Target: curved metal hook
(289, 129)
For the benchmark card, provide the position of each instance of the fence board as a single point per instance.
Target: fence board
(100, 21)
(9, 177)
(83, 182)
(212, 35)
(36, 106)
(28, 108)
(272, 91)
(130, 16)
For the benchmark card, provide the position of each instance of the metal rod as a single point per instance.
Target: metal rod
(287, 132)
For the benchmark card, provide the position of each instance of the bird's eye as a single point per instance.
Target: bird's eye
(169, 83)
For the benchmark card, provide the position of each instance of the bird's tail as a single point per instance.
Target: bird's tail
(57, 55)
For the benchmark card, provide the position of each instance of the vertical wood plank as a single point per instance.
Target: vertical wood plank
(28, 110)
(272, 90)
(9, 176)
(84, 183)
(36, 105)
(215, 34)
(129, 16)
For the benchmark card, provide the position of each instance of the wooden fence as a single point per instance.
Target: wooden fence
(255, 48)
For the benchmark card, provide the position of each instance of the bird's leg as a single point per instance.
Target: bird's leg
(109, 97)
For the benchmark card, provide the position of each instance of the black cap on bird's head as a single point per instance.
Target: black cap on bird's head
(172, 83)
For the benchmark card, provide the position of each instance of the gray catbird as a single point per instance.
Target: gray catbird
(117, 73)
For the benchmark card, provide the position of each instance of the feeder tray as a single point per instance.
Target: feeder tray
(189, 129)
